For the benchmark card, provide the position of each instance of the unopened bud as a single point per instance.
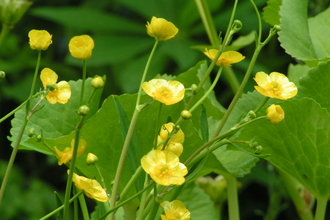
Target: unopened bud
(39, 137)
(194, 88)
(31, 132)
(91, 158)
(83, 110)
(185, 114)
(97, 82)
(277, 27)
(237, 25)
(2, 74)
(258, 149)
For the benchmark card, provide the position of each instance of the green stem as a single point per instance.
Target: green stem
(231, 79)
(28, 114)
(302, 208)
(261, 104)
(143, 200)
(112, 210)
(321, 208)
(83, 83)
(131, 182)
(208, 22)
(61, 207)
(4, 32)
(233, 208)
(128, 138)
(72, 167)
(83, 207)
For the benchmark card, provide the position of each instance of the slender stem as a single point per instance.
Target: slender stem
(72, 167)
(131, 182)
(128, 138)
(61, 207)
(302, 208)
(261, 104)
(83, 207)
(4, 32)
(208, 22)
(83, 83)
(143, 200)
(28, 114)
(321, 208)
(231, 78)
(233, 207)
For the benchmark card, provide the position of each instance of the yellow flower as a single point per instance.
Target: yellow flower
(91, 158)
(39, 39)
(275, 85)
(174, 144)
(66, 155)
(91, 187)
(81, 47)
(161, 29)
(275, 113)
(175, 210)
(166, 92)
(164, 167)
(226, 58)
(60, 92)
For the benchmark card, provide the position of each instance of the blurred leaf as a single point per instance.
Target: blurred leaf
(296, 72)
(87, 19)
(271, 12)
(299, 145)
(316, 85)
(55, 120)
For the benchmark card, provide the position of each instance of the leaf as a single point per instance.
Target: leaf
(316, 85)
(299, 145)
(271, 12)
(55, 120)
(296, 72)
(294, 36)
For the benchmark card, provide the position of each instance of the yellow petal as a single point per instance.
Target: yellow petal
(161, 29)
(39, 39)
(81, 47)
(48, 76)
(275, 113)
(63, 92)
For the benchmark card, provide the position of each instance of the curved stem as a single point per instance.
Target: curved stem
(321, 208)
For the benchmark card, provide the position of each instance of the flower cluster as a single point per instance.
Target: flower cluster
(163, 164)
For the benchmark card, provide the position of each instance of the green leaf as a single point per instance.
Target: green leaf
(296, 72)
(55, 120)
(271, 12)
(316, 85)
(294, 36)
(83, 19)
(299, 145)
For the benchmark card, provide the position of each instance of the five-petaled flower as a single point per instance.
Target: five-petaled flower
(91, 187)
(275, 113)
(174, 143)
(166, 92)
(161, 29)
(39, 39)
(66, 155)
(276, 85)
(59, 92)
(175, 210)
(164, 167)
(81, 47)
(226, 58)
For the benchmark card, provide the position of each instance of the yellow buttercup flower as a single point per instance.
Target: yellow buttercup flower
(166, 92)
(226, 58)
(164, 167)
(91, 187)
(161, 29)
(59, 92)
(275, 113)
(175, 210)
(81, 47)
(174, 144)
(39, 39)
(275, 85)
(66, 155)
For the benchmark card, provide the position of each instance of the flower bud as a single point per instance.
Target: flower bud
(185, 114)
(31, 132)
(39, 39)
(97, 82)
(194, 88)
(81, 47)
(258, 149)
(161, 29)
(277, 27)
(2, 74)
(91, 158)
(11, 11)
(83, 110)
(237, 25)
(39, 137)
(275, 114)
